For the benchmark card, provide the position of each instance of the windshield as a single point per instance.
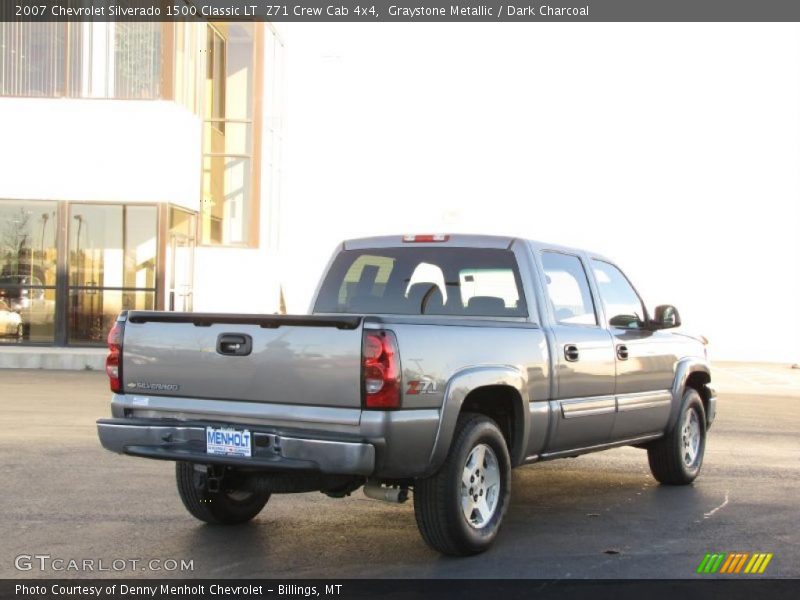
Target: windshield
(425, 280)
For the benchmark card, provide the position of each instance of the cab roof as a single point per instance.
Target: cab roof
(456, 240)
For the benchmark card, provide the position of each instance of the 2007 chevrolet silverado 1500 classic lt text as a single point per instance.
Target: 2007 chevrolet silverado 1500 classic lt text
(429, 363)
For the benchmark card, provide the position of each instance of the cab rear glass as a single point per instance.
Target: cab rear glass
(425, 280)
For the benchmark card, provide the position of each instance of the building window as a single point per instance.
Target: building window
(216, 78)
(230, 183)
(273, 132)
(187, 64)
(112, 266)
(41, 59)
(137, 64)
(82, 60)
(28, 271)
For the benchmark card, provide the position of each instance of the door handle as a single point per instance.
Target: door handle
(622, 352)
(571, 353)
(234, 344)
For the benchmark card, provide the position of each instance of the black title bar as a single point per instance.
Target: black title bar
(397, 589)
(371, 11)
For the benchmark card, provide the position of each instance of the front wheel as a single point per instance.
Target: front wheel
(459, 510)
(235, 498)
(676, 458)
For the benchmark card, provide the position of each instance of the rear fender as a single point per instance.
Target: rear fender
(459, 387)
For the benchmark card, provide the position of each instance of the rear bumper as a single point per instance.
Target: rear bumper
(186, 441)
(393, 444)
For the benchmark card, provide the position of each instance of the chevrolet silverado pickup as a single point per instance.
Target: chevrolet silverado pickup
(430, 365)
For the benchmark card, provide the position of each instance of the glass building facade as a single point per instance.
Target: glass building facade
(68, 267)
(28, 270)
(213, 69)
(84, 60)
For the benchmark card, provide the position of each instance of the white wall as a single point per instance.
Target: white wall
(101, 150)
(236, 280)
(673, 148)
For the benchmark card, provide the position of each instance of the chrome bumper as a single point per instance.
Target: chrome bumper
(186, 441)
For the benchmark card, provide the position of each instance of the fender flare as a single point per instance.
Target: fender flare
(458, 388)
(683, 369)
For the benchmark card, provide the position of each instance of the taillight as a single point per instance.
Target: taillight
(380, 368)
(114, 358)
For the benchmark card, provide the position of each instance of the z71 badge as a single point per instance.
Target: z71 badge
(421, 386)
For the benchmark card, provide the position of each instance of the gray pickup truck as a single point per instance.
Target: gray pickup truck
(431, 364)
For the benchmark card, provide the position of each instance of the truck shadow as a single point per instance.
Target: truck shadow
(564, 506)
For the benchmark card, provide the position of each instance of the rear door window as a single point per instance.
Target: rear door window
(424, 280)
(568, 289)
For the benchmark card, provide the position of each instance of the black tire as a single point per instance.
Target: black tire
(438, 499)
(237, 501)
(671, 460)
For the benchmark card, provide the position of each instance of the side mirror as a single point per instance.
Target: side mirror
(666, 317)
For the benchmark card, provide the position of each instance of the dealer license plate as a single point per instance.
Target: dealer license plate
(224, 441)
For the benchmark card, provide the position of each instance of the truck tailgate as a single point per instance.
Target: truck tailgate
(308, 360)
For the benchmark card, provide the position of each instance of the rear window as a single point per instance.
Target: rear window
(426, 280)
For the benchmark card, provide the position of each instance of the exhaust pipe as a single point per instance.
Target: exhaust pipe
(377, 491)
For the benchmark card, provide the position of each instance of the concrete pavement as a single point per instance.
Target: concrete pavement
(600, 515)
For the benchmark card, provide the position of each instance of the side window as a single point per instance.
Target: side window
(623, 306)
(568, 288)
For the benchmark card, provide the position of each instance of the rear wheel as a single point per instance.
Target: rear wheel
(217, 495)
(676, 458)
(459, 510)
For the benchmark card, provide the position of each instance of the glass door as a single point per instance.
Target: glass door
(111, 266)
(181, 280)
(180, 261)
